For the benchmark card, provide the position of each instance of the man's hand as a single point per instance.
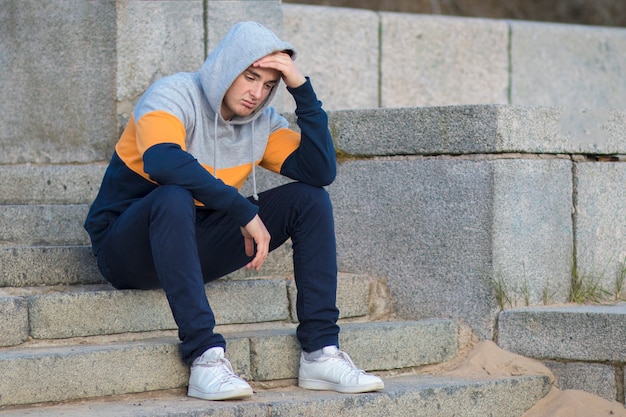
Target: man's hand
(282, 62)
(256, 233)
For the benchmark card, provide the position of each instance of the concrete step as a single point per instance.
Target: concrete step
(43, 224)
(409, 395)
(44, 265)
(91, 310)
(50, 184)
(583, 345)
(95, 367)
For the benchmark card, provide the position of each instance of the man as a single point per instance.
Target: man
(169, 214)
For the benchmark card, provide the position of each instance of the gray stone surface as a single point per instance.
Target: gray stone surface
(436, 60)
(14, 323)
(478, 129)
(441, 230)
(426, 226)
(418, 396)
(372, 346)
(83, 370)
(62, 315)
(567, 65)
(584, 333)
(353, 296)
(50, 184)
(25, 266)
(532, 235)
(222, 14)
(601, 224)
(155, 39)
(596, 378)
(57, 78)
(339, 51)
(26, 225)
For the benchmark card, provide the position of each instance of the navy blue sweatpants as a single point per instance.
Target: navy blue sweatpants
(165, 241)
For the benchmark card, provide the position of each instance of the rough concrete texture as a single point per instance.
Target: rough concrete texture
(71, 373)
(14, 323)
(567, 65)
(49, 184)
(221, 15)
(436, 60)
(353, 293)
(596, 378)
(478, 129)
(532, 236)
(417, 396)
(26, 225)
(62, 315)
(88, 370)
(57, 78)
(601, 224)
(445, 229)
(26, 266)
(585, 333)
(339, 51)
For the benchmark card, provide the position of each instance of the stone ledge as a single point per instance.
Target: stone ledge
(471, 129)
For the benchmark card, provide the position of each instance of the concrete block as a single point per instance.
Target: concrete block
(532, 234)
(352, 296)
(27, 266)
(419, 396)
(595, 378)
(444, 229)
(567, 65)
(434, 61)
(601, 223)
(372, 346)
(90, 371)
(223, 14)
(155, 39)
(14, 324)
(594, 333)
(338, 50)
(428, 231)
(478, 129)
(395, 345)
(25, 225)
(50, 184)
(61, 315)
(57, 77)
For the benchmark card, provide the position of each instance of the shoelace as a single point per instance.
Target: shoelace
(346, 362)
(224, 370)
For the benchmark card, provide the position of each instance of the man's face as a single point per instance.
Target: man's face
(248, 91)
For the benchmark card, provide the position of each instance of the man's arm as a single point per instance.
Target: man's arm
(314, 161)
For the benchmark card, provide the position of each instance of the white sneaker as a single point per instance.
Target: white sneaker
(334, 370)
(212, 378)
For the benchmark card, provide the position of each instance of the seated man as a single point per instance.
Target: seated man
(169, 214)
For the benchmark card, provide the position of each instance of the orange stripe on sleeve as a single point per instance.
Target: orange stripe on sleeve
(280, 145)
(159, 127)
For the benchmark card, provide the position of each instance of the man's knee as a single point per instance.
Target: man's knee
(172, 199)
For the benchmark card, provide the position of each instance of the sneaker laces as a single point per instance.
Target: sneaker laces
(222, 368)
(344, 360)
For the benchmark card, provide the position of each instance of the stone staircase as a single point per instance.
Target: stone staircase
(72, 345)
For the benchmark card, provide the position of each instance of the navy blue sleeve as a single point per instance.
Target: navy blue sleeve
(168, 164)
(314, 162)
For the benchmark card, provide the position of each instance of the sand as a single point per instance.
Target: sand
(487, 360)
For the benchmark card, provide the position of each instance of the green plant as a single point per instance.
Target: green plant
(620, 282)
(501, 292)
(585, 289)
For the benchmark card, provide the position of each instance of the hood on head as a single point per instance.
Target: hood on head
(244, 44)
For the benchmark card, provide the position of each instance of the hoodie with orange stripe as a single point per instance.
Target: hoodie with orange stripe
(177, 136)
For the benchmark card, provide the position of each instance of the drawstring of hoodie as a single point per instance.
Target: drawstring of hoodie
(254, 194)
(254, 191)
